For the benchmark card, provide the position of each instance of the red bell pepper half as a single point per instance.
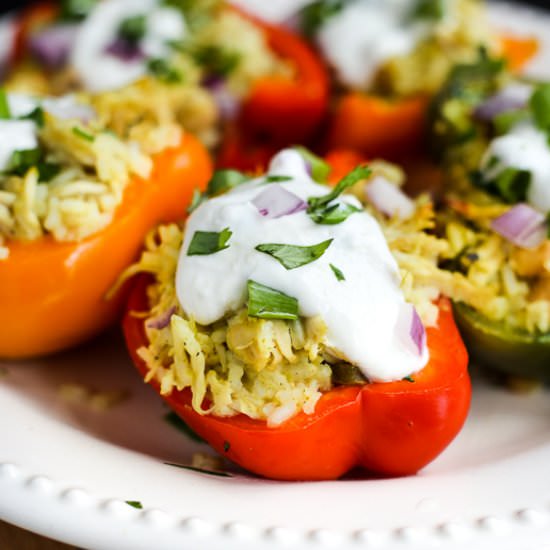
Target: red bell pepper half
(393, 428)
(288, 110)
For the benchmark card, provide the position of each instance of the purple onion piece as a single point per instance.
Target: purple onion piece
(228, 104)
(67, 108)
(417, 331)
(511, 98)
(387, 198)
(162, 320)
(52, 45)
(276, 202)
(410, 330)
(124, 50)
(522, 225)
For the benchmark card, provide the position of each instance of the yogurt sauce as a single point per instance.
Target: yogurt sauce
(20, 135)
(365, 34)
(524, 148)
(364, 313)
(99, 70)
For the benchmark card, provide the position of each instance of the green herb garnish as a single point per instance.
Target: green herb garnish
(320, 203)
(22, 161)
(315, 15)
(292, 256)
(511, 184)
(408, 379)
(267, 303)
(176, 422)
(76, 10)
(196, 200)
(36, 115)
(135, 504)
(79, 132)
(200, 470)
(276, 179)
(224, 180)
(337, 273)
(540, 107)
(318, 167)
(333, 214)
(133, 29)
(216, 60)
(161, 69)
(504, 122)
(5, 111)
(208, 242)
(428, 9)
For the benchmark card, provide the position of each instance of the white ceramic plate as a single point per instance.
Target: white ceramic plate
(67, 469)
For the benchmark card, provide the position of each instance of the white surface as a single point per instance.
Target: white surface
(66, 470)
(211, 285)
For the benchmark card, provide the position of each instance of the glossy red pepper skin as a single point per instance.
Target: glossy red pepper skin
(287, 109)
(393, 428)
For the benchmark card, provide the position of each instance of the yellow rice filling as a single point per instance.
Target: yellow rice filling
(266, 369)
(82, 197)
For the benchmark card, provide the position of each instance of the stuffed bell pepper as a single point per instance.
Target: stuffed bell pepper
(173, 61)
(491, 133)
(278, 324)
(76, 201)
(390, 56)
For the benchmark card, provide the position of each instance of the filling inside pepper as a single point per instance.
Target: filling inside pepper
(497, 159)
(62, 173)
(168, 60)
(395, 47)
(296, 293)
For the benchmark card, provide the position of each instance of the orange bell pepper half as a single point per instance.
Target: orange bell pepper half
(378, 126)
(287, 109)
(52, 294)
(393, 428)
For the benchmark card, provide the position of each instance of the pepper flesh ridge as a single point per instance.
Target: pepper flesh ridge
(52, 294)
(393, 428)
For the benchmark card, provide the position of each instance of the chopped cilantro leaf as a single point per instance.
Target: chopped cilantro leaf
(135, 504)
(291, 256)
(133, 29)
(224, 180)
(208, 242)
(337, 273)
(79, 132)
(161, 69)
(5, 111)
(267, 303)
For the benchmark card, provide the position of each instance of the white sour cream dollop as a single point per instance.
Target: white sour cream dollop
(20, 135)
(523, 148)
(364, 313)
(365, 34)
(99, 70)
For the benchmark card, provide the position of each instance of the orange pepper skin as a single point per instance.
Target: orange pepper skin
(52, 294)
(378, 126)
(287, 110)
(518, 50)
(393, 428)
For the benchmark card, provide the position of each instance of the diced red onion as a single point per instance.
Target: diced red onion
(52, 45)
(510, 98)
(410, 329)
(522, 225)
(387, 198)
(228, 104)
(67, 108)
(163, 320)
(124, 50)
(417, 332)
(276, 202)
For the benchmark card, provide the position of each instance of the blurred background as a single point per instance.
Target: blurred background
(6, 5)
